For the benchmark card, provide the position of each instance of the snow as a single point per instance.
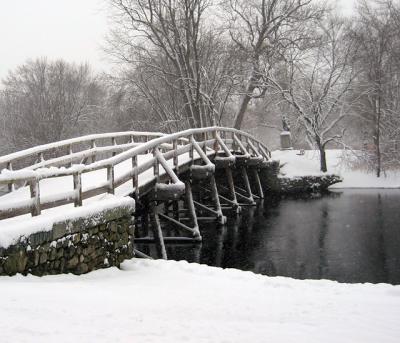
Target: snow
(168, 301)
(53, 188)
(59, 187)
(42, 148)
(12, 229)
(296, 165)
(17, 174)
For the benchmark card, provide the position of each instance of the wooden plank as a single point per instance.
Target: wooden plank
(94, 192)
(15, 211)
(179, 224)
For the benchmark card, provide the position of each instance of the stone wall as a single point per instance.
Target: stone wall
(275, 184)
(307, 184)
(75, 246)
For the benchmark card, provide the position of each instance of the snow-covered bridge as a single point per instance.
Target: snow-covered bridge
(80, 176)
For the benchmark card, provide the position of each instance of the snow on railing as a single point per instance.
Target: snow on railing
(204, 141)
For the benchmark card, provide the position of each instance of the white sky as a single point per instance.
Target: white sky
(70, 29)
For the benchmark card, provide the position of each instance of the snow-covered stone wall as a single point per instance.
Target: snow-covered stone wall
(275, 182)
(73, 246)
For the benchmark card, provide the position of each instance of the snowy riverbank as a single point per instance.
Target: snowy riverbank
(166, 301)
(308, 164)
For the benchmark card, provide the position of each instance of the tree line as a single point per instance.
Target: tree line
(333, 79)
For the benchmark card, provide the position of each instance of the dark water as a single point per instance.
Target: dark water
(348, 236)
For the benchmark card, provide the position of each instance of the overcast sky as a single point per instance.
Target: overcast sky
(70, 29)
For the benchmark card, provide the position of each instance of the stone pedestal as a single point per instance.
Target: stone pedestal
(286, 140)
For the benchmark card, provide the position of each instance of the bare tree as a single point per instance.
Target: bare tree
(46, 101)
(376, 34)
(170, 57)
(317, 85)
(263, 30)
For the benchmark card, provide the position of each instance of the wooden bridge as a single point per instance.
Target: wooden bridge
(176, 179)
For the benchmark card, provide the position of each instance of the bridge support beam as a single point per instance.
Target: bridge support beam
(231, 185)
(158, 234)
(258, 183)
(247, 184)
(220, 217)
(192, 210)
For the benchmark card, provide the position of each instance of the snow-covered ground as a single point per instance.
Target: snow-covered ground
(308, 164)
(167, 301)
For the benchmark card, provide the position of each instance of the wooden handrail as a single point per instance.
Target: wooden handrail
(164, 147)
(68, 143)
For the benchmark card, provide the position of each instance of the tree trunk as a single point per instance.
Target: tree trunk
(244, 101)
(322, 158)
(377, 137)
(242, 109)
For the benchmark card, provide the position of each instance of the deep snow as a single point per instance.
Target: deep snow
(167, 301)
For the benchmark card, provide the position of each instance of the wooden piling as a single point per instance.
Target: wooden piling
(157, 232)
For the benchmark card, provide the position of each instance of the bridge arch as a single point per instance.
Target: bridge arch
(153, 168)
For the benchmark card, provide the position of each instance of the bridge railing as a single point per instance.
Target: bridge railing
(210, 140)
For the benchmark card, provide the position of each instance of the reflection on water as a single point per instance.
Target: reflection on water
(349, 236)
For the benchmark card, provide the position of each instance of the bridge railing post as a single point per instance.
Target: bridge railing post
(35, 195)
(175, 158)
(216, 145)
(156, 166)
(222, 135)
(146, 138)
(70, 152)
(77, 177)
(110, 179)
(93, 146)
(135, 176)
(114, 143)
(205, 137)
(11, 184)
(191, 151)
(233, 144)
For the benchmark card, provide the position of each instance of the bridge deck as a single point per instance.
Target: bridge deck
(55, 186)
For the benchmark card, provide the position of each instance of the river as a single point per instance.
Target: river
(348, 236)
